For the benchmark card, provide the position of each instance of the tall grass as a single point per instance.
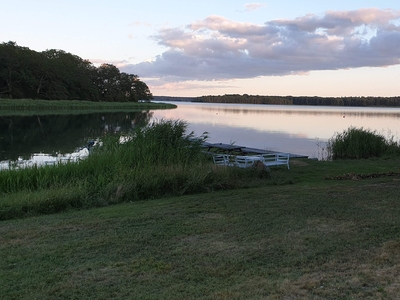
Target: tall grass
(154, 161)
(29, 106)
(356, 143)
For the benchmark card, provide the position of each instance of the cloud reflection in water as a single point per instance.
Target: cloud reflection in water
(297, 129)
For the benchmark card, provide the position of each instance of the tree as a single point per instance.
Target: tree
(142, 90)
(56, 74)
(108, 83)
(71, 78)
(120, 87)
(11, 65)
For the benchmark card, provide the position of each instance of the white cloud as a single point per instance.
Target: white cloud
(254, 6)
(138, 23)
(166, 87)
(117, 63)
(217, 48)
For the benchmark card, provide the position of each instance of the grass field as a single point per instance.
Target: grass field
(323, 230)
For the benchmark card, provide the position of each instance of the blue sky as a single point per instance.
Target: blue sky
(194, 48)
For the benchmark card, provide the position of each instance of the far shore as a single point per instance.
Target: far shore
(288, 100)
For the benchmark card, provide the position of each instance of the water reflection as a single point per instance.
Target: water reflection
(304, 111)
(21, 136)
(43, 159)
(301, 130)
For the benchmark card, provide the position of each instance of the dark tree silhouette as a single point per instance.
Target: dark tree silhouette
(56, 74)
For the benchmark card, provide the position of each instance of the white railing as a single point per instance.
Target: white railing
(245, 161)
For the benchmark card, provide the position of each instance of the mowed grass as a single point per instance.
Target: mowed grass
(323, 230)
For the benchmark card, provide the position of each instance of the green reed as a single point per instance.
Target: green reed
(356, 143)
(29, 106)
(154, 161)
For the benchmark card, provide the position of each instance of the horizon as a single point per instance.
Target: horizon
(298, 48)
(277, 96)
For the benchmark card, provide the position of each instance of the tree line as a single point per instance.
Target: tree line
(58, 75)
(302, 100)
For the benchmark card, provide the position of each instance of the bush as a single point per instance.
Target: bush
(356, 143)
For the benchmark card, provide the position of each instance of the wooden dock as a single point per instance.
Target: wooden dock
(242, 150)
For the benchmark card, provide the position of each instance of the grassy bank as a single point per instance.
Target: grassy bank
(160, 160)
(334, 233)
(29, 106)
(181, 228)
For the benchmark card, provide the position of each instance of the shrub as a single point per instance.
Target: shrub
(356, 143)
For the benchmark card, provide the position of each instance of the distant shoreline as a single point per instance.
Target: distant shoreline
(173, 98)
(289, 100)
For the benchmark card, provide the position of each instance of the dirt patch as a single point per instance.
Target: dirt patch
(375, 275)
(298, 163)
(214, 245)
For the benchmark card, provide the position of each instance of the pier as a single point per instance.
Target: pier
(243, 150)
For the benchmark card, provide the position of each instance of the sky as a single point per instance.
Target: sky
(215, 47)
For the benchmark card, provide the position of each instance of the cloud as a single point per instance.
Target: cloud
(117, 63)
(254, 6)
(138, 23)
(217, 48)
(170, 86)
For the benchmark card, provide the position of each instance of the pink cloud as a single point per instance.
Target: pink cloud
(254, 6)
(217, 48)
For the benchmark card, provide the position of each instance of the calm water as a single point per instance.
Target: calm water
(297, 129)
(22, 137)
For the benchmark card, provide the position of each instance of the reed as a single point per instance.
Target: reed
(356, 143)
(154, 161)
(29, 106)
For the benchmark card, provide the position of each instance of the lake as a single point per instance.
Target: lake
(302, 130)
(42, 138)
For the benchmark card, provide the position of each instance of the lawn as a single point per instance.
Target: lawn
(323, 230)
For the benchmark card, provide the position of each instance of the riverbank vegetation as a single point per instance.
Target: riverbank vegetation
(356, 143)
(58, 75)
(161, 160)
(301, 100)
(318, 231)
(14, 107)
(155, 161)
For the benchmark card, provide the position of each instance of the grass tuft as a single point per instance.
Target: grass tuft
(357, 143)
